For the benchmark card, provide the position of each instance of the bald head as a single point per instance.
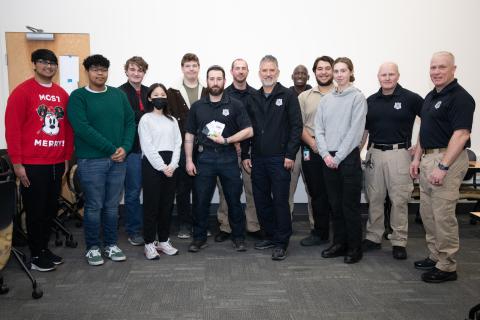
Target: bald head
(442, 69)
(388, 76)
(300, 76)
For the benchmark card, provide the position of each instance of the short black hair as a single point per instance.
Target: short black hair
(326, 59)
(96, 60)
(43, 54)
(216, 68)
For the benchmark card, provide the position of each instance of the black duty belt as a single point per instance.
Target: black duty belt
(219, 149)
(385, 147)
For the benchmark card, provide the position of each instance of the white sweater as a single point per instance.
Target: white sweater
(159, 133)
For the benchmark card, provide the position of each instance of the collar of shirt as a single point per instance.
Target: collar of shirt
(451, 86)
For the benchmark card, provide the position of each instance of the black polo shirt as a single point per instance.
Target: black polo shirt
(228, 111)
(444, 112)
(241, 95)
(390, 118)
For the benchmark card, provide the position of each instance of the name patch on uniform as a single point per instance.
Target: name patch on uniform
(397, 105)
(438, 104)
(279, 102)
(225, 112)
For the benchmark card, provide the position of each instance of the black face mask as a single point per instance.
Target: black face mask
(159, 103)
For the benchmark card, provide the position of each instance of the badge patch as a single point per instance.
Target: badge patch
(225, 112)
(438, 104)
(279, 102)
(397, 105)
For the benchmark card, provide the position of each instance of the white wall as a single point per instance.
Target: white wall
(369, 32)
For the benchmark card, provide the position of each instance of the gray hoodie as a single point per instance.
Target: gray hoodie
(340, 122)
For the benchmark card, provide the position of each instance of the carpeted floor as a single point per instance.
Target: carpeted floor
(219, 283)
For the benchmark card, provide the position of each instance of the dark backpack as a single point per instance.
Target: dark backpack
(8, 192)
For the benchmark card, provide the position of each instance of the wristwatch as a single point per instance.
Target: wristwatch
(442, 167)
(225, 142)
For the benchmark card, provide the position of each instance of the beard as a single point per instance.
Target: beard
(325, 84)
(215, 91)
(268, 82)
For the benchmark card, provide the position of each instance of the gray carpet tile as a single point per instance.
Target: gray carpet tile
(219, 283)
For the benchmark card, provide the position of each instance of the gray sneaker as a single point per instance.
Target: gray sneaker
(114, 253)
(136, 240)
(183, 233)
(94, 257)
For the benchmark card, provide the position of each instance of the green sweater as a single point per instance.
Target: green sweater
(102, 122)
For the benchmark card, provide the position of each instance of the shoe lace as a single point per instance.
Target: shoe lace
(113, 250)
(150, 248)
(92, 253)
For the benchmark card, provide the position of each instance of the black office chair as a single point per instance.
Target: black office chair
(8, 203)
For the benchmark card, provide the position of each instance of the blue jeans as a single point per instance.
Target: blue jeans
(210, 165)
(271, 186)
(102, 184)
(133, 186)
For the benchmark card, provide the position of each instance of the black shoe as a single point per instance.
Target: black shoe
(259, 234)
(42, 263)
(264, 244)
(437, 276)
(425, 264)
(279, 254)
(239, 245)
(56, 260)
(222, 236)
(369, 245)
(197, 245)
(399, 253)
(312, 240)
(353, 256)
(335, 250)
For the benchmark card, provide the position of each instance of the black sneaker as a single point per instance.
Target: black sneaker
(279, 254)
(399, 253)
(56, 260)
(425, 264)
(312, 240)
(369, 245)
(239, 245)
(42, 263)
(197, 245)
(437, 276)
(264, 244)
(222, 236)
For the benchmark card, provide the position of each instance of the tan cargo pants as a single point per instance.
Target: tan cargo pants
(388, 171)
(437, 209)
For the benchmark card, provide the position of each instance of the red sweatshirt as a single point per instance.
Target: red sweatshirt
(36, 124)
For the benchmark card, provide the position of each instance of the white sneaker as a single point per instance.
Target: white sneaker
(166, 247)
(151, 251)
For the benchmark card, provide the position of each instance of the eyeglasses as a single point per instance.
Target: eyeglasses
(98, 70)
(47, 62)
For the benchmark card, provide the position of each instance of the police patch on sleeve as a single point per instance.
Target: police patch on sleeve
(279, 102)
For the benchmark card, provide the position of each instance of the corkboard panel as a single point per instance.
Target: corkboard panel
(19, 50)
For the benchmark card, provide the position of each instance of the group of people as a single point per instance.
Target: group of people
(178, 144)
